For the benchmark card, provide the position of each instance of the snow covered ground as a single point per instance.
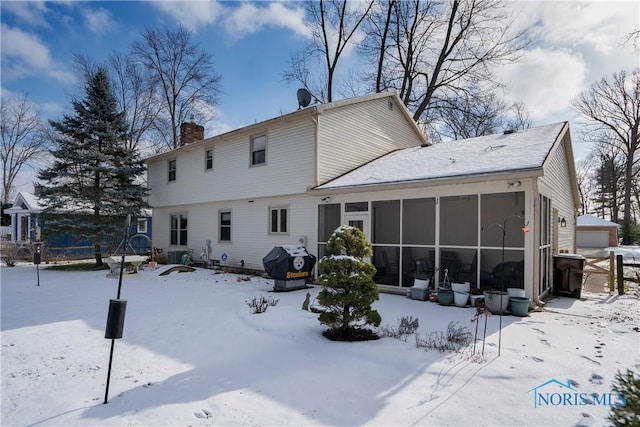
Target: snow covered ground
(193, 355)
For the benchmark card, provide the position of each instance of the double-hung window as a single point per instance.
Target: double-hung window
(278, 220)
(171, 169)
(208, 159)
(225, 226)
(178, 232)
(258, 150)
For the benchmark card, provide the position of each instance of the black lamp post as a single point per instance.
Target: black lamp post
(503, 228)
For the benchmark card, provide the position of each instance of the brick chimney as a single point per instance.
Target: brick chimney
(190, 132)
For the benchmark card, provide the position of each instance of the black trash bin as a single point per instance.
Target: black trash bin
(567, 274)
(290, 266)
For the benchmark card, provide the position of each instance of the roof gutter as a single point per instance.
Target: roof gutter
(432, 182)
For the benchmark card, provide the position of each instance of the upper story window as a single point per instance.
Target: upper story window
(278, 220)
(225, 226)
(258, 150)
(208, 159)
(171, 168)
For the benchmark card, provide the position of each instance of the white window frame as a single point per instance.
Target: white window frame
(220, 225)
(208, 151)
(142, 225)
(279, 211)
(179, 230)
(253, 150)
(172, 162)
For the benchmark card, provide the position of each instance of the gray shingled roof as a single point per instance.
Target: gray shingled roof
(522, 150)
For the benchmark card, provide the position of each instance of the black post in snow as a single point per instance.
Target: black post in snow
(117, 309)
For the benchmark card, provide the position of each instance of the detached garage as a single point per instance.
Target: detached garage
(594, 232)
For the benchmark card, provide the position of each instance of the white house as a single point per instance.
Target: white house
(24, 218)
(364, 162)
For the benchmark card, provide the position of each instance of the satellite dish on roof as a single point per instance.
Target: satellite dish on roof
(304, 98)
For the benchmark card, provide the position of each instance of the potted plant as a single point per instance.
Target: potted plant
(477, 297)
(496, 301)
(421, 281)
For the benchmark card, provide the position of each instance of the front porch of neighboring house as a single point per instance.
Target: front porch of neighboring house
(24, 228)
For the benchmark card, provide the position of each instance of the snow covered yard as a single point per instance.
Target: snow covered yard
(193, 354)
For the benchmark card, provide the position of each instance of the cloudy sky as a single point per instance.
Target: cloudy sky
(577, 44)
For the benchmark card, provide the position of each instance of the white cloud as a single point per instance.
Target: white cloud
(546, 80)
(191, 14)
(99, 20)
(24, 54)
(249, 19)
(28, 12)
(25, 47)
(239, 19)
(599, 24)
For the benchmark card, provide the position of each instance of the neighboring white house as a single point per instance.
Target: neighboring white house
(594, 232)
(24, 218)
(364, 162)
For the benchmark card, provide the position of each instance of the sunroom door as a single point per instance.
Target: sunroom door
(359, 220)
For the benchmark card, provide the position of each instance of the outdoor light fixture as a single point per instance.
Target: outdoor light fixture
(562, 222)
(514, 184)
(326, 199)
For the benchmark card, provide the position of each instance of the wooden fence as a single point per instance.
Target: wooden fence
(613, 270)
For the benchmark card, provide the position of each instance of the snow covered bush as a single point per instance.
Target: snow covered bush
(407, 325)
(627, 384)
(260, 305)
(348, 287)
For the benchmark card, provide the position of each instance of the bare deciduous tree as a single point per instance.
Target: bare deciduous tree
(136, 97)
(470, 115)
(184, 75)
(334, 24)
(434, 51)
(478, 112)
(611, 106)
(23, 139)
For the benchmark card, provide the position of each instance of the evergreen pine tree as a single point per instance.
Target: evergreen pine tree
(627, 412)
(91, 185)
(348, 286)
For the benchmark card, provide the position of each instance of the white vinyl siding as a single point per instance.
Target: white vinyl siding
(290, 168)
(251, 240)
(556, 177)
(360, 132)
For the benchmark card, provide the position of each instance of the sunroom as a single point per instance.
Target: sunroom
(484, 214)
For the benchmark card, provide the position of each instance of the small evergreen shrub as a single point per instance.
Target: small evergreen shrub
(627, 385)
(348, 287)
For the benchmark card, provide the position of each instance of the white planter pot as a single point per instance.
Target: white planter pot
(461, 287)
(475, 299)
(516, 292)
(421, 283)
(460, 299)
(496, 301)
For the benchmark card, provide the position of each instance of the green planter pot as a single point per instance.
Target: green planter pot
(519, 306)
(445, 297)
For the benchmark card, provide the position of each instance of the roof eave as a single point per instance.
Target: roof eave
(433, 182)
